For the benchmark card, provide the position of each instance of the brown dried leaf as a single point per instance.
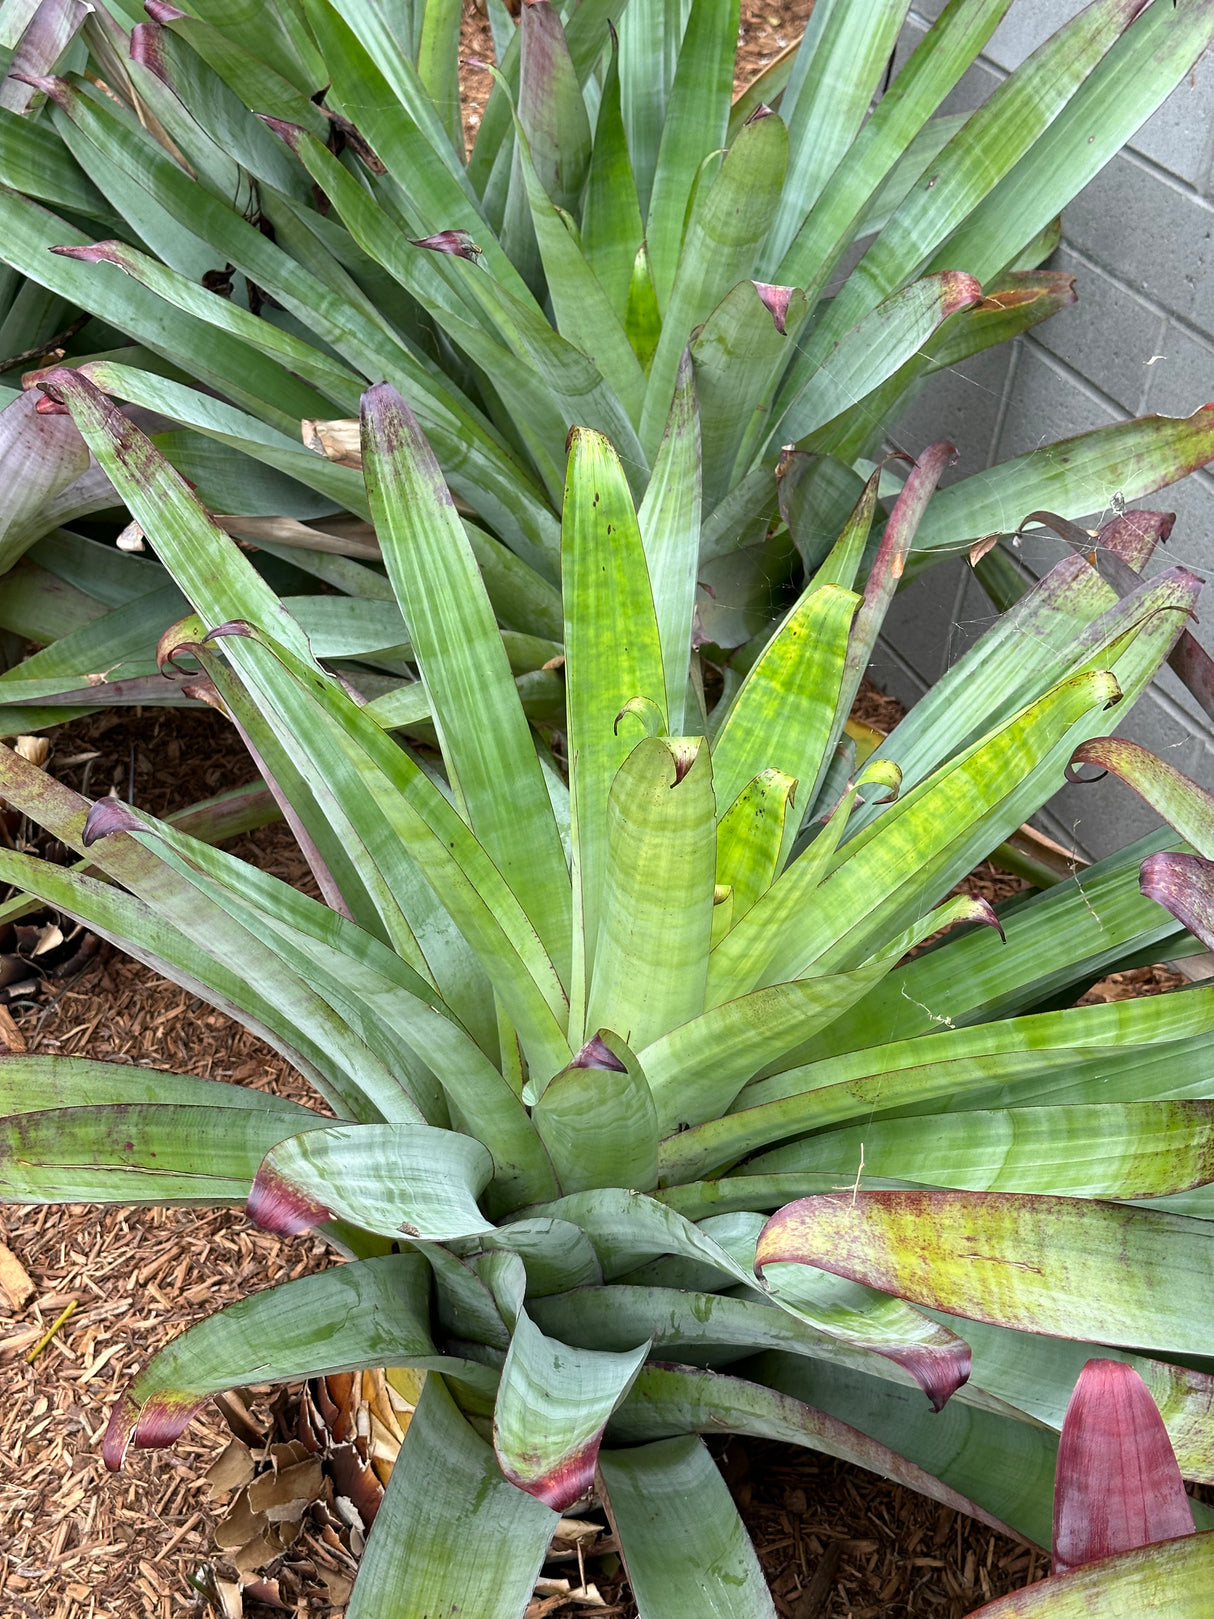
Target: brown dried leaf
(232, 1469)
(15, 1280)
(979, 549)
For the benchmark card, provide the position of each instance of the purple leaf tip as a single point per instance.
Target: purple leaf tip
(275, 1204)
(162, 1418)
(162, 12)
(597, 1054)
(292, 134)
(458, 242)
(776, 301)
(106, 816)
(565, 1483)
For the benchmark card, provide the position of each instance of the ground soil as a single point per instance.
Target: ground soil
(76, 1543)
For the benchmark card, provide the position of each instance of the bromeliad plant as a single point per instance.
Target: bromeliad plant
(274, 207)
(578, 1039)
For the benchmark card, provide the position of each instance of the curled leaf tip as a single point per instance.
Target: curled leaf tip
(161, 11)
(239, 627)
(985, 913)
(275, 1204)
(119, 1431)
(457, 242)
(596, 1053)
(776, 301)
(50, 407)
(107, 815)
(761, 111)
(939, 1372)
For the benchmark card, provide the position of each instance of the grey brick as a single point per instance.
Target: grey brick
(961, 404)
(1027, 24)
(1047, 402)
(920, 623)
(1152, 234)
(1180, 136)
(1183, 378)
(1108, 336)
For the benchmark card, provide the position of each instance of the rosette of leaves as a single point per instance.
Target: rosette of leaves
(627, 1073)
(264, 211)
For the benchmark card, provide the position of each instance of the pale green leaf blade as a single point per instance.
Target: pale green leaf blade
(651, 960)
(553, 1403)
(683, 1544)
(730, 213)
(697, 117)
(1102, 1150)
(438, 64)
(30, 1082)
(551, 107)
(669, 519)
(783, 716)
(750, 838)
(611, 215)
(132, 1152)
(666, 1401)
(451, 1534)
(825, 117)
(597, 1120)
(370, 1312)
(1045, 1264)
(389, 1179)
(612, 655)
(483, 732)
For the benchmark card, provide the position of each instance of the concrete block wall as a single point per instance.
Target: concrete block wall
(1140, 242)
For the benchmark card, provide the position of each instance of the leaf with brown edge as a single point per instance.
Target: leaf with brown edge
(1188, 807)
(1118, 1483)
(1059, 1266)
(553, 1403)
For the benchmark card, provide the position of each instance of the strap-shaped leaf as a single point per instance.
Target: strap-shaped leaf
(986, 147)
(30, 1082)
(973, 801)
(696, 118)
(369, 1312)
(611, 215)
(750, 837)
(655, 920)
(783, 715)
(1118, 1484)
(669, 1400)
(483, 732)
(391, 1179)
(1073, 477)
(729, 215)
(45, 454)
(597, 1119)
(1173, 1578)
(933, 1354)
(669, 519)
(1038, 1059)
(1111, 1149)
(141, 1152)
(831, 103)
(684, 1546)
(1045, 1264)
(451, 1534)
(739, 352)
(610, 658)
(697, 1069)
(553, 1403)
